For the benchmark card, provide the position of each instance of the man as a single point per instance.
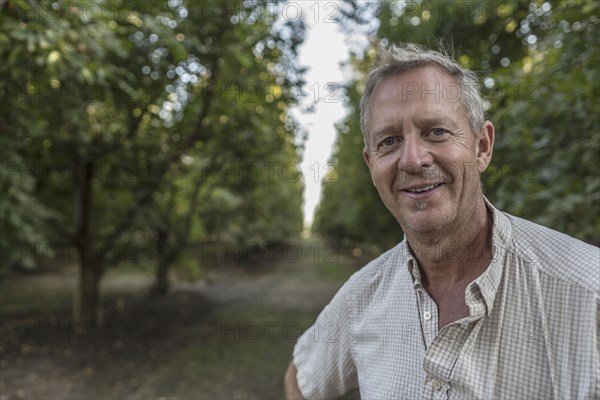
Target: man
(474, 303)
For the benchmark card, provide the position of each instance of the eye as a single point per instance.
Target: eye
(438, 132)
(389, 141)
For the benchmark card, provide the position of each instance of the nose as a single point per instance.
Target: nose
(414, 155)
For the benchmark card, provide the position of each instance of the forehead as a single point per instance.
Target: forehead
(429, 90)
(419, 97)
(425, 84)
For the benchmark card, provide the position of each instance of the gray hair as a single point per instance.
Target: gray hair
(408, 57)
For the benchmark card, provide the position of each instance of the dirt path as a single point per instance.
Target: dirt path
(227, 336)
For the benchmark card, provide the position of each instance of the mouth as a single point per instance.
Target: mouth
(423, 191)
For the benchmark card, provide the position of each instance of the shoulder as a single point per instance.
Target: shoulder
(379, 275)
(556, 254)
(381, 266)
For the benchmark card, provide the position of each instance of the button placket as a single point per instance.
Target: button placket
(435, 388)
(427, 317)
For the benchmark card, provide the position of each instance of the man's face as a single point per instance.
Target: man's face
(424, 159)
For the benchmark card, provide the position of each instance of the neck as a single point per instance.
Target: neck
(455, 258)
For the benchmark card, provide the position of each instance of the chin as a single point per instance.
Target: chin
(422, 218)
(424, 226)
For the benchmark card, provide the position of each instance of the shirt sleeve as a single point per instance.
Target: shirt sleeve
(323, 355)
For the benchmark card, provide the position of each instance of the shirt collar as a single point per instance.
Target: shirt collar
(487, 283)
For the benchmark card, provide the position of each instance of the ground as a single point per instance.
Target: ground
(228, 335)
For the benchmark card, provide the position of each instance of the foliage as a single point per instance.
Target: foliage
(539, 64)
(109, 107)
(548, 140)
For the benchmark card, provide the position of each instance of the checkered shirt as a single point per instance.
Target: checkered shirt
(532, 332)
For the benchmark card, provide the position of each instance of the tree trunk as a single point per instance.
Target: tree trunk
(87, 298)
(161, 284)
(85, 310)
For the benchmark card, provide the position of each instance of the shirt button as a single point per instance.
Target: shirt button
(436, 384)
(427, 315)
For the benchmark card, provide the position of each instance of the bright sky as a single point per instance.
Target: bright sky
(322, 52)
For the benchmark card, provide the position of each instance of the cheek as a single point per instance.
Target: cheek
(458, 165)
(378, 178)
(454, 170)
(381, 170)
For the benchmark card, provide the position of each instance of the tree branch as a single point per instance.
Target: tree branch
(146, 197)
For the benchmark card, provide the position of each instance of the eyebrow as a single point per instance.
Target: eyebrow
(432, 121)
(385, 129)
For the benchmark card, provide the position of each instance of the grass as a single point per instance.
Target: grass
(191, 345)
(338, 272)
(239, 353)
(27, 301)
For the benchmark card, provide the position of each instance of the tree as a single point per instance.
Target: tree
(545, 108)
(502, 41)
(107, 100)
(247, 160)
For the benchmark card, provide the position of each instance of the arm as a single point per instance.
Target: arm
(292, 391)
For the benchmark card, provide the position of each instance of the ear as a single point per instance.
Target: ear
(367, 157)
(485, 146)
(368, 161)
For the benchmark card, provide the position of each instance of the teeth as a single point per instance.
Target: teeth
(423, 189)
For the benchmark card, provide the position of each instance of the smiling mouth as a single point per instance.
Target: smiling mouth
(423, 189)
